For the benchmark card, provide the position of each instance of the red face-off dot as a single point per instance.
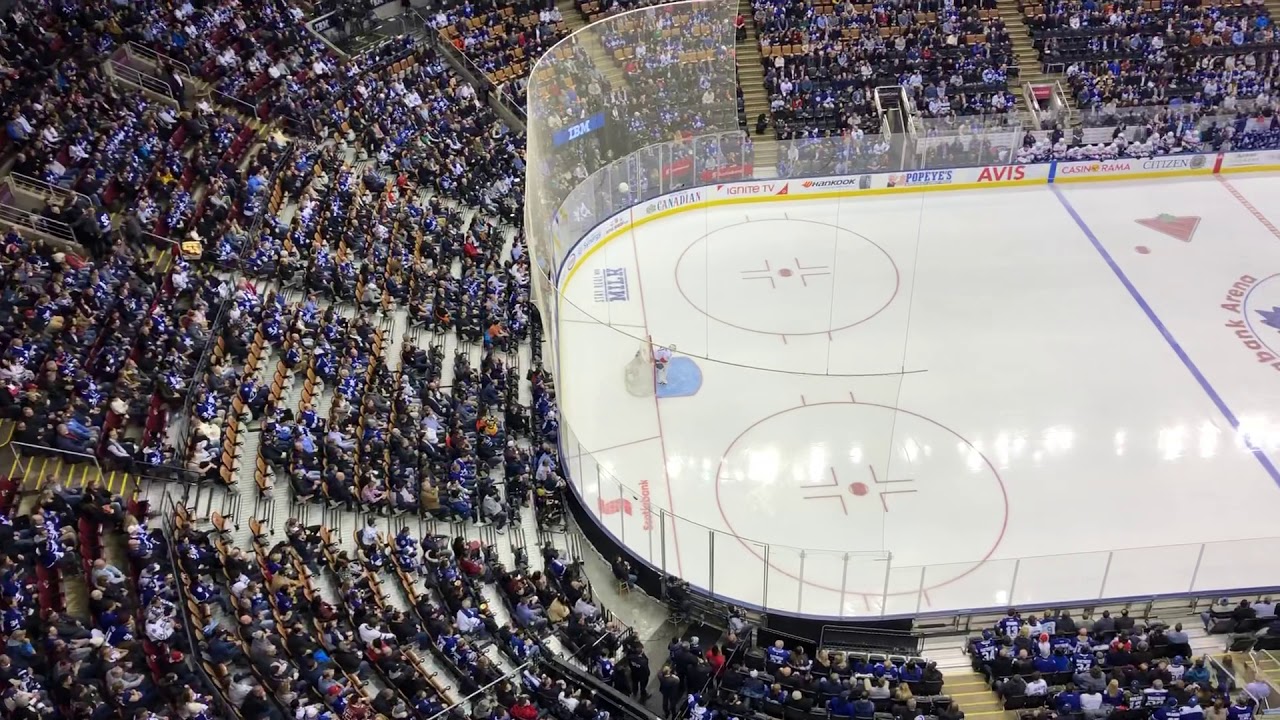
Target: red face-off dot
(858, 489)
(1143, 249)
(785, 272)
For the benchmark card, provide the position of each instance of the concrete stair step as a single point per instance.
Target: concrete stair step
(970, 691)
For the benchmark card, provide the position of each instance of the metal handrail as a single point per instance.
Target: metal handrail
(232, 101)
(159, 240)
(158, 58)
(36, 186)
(147, 82)
(42, 450)
(1071, 113)
(25, 219)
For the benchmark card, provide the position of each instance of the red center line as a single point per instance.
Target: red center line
(657, 411)
(1255, 212)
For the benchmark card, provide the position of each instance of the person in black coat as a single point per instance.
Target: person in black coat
(638, 662)
(669, 686)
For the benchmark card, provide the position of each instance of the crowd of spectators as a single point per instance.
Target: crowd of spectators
(1140, 54)
(822, 62)
(1114, 665)
(501, 39)
(101, 353)
(126, 655)
(733, 678)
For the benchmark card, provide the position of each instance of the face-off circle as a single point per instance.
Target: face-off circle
(862, 477)
(778, 277)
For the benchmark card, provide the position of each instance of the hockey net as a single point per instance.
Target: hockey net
(639, 371)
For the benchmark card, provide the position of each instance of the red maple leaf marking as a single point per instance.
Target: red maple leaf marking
(1178, 227)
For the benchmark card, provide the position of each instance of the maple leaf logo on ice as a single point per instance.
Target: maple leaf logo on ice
(1271, 317)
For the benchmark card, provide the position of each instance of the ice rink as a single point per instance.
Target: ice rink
(938, 401)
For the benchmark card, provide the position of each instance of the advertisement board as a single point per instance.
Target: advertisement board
(753, 189)
(577, 130)
(672, 201)
(827, 184)
(597, 235)
(1085, 170)
(764, 190)
(1250, 160)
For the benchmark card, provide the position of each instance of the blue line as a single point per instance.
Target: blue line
(1053, 171)
(1168, 336)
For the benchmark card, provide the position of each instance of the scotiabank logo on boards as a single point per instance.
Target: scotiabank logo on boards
(1096, 168)
(754, 189)
(1002, 173)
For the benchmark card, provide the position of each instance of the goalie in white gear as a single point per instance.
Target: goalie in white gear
(661, 359)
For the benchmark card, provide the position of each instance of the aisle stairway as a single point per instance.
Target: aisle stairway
(1268, 670)
(755, 96)
(600, 58)
(572, 16)
(1030, 69)
(969, 690)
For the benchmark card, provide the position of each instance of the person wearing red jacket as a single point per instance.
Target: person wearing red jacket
(523, 709)
(716, 659)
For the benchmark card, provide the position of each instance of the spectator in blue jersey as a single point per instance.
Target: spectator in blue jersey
(1067, 702)
(841, 704)
(1242, 709)
(1191, 710)
(776, 656)
(1044, 664)
(1156, 695)
(984, 649)
(1009, 624)
(863, 708)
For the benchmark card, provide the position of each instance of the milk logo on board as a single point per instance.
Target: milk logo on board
(610, 285)
(1253, 307)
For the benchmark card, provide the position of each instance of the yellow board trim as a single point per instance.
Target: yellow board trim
(834, 194)
(1250, 168)
(1160, 174)
(829, 195)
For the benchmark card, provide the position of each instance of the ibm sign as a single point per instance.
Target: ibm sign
(577, 130)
